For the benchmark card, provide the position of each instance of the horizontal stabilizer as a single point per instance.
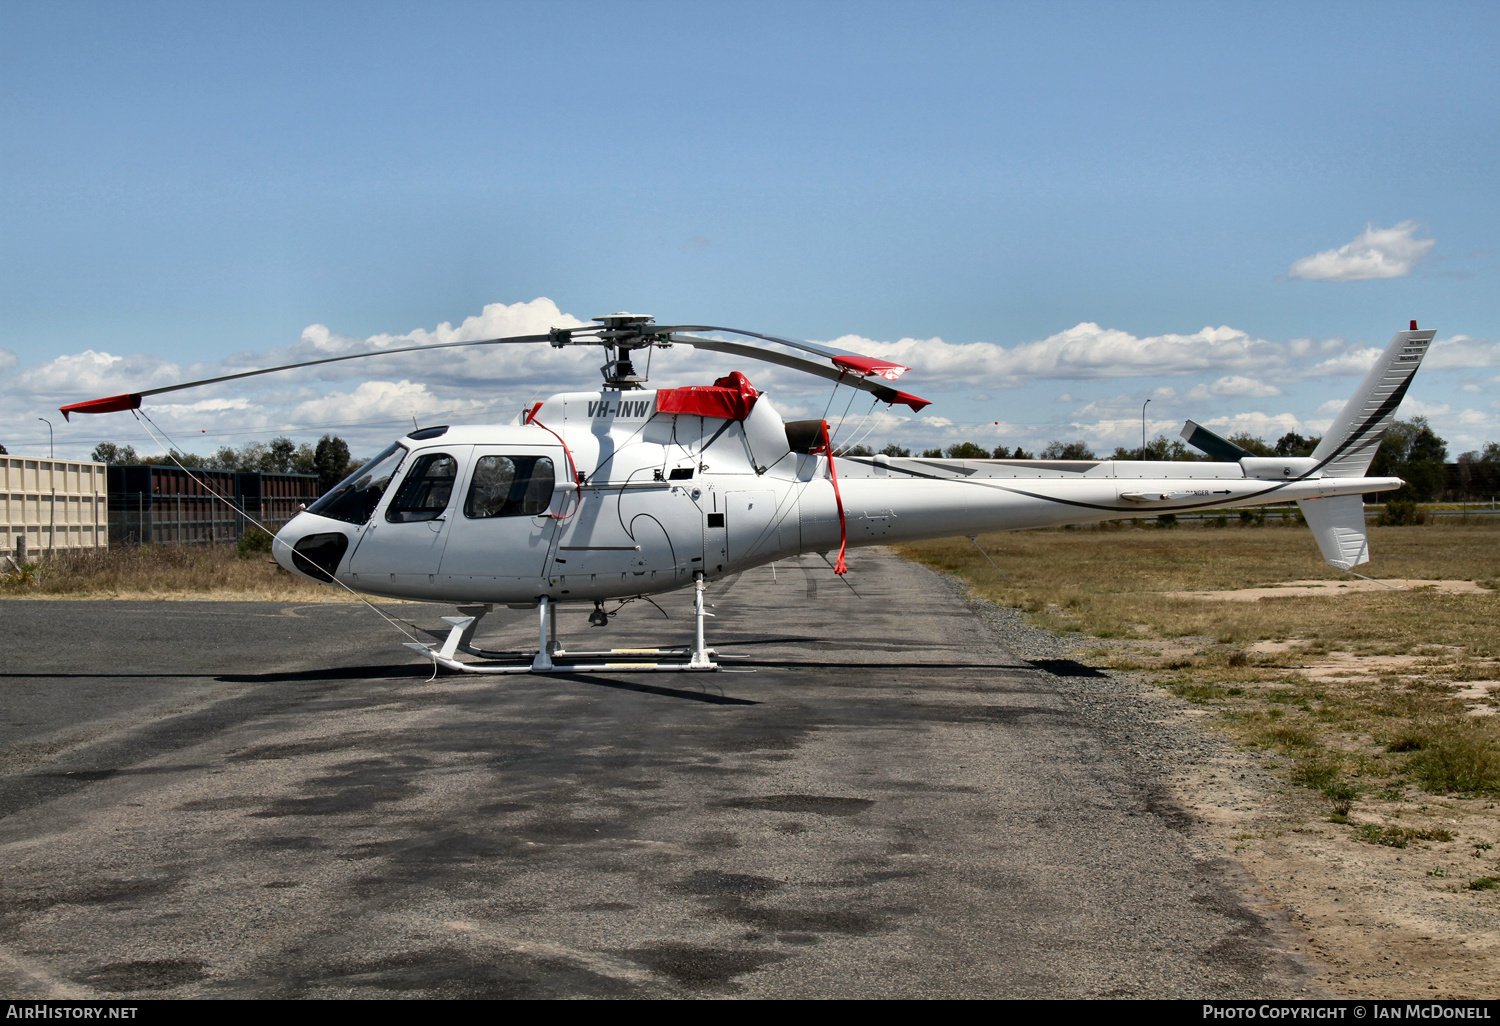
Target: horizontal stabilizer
(1338, 523)
(1215, 445)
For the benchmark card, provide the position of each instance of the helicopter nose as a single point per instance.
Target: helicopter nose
(311, 547)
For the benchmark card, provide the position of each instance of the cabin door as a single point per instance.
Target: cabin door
(502, 524)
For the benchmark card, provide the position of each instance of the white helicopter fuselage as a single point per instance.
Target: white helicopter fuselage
(497, 514)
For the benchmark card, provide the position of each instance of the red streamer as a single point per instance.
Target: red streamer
(572, 466)
(826, 447)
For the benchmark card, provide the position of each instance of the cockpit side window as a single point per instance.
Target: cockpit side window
(426, 489)
(510, 486)
(354, 499)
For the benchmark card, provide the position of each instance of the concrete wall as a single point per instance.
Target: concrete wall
(52, 504)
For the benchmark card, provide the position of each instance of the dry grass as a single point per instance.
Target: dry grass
(201, 572)
(1109, 582)
(1359, 693)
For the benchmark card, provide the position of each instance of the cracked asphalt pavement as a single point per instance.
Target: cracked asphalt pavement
(875, 799)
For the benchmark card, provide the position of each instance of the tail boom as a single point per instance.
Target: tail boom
(883, 511)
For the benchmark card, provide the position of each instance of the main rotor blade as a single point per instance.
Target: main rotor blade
(132, 400)
(842, 358)
(882, 392)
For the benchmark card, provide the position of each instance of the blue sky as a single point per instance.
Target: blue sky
(182, 184)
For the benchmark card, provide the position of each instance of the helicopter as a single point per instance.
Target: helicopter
(625, 492)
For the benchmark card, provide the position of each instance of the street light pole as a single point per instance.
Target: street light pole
(1143, 429)
(52, 477)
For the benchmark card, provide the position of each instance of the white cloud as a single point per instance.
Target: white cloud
(1460, 352)
(1270, 426)
(384, 399)
(370, 401)
(1122, 429)
(1121, 405)
(1085, 351)
(1417, 408)
(1356, 361)
(1374, 253)
(205, 406)
(1233, 387)
(90, 374)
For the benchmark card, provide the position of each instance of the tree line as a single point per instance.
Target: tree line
(329, 458)
(1411, 450)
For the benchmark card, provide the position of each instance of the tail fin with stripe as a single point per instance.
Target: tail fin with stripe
(1349, 445)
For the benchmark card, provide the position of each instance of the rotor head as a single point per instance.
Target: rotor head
(622, 334)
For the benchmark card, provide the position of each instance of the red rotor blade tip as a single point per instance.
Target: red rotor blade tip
(913, 401)
(109, 404)
(868, 365)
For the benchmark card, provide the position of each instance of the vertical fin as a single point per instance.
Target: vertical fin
(1338, 524)
(1349, 445)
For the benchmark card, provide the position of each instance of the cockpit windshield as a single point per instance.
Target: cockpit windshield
(354, 499)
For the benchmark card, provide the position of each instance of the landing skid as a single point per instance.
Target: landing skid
(552, 658)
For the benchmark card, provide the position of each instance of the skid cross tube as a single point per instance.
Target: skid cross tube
(551, 657)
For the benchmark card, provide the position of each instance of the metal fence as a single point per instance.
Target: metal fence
(141, 518)
(168, 505)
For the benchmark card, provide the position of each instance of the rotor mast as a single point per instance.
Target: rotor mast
(622, 334)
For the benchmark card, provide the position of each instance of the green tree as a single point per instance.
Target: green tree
(1253, 444)
(304, 460)
(1159, 448)
(115, 455)
(5, 452)
(895, 450)
(1479, 472)
(226, 458)
(967, 451)
(1078, 450)
(858, 450)
(278, 456)
(1412, 451)
(330, 461)
(1293, 444)
(932, 453)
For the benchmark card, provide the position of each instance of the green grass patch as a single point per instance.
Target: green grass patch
(1455, 757)
(1397, 837)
